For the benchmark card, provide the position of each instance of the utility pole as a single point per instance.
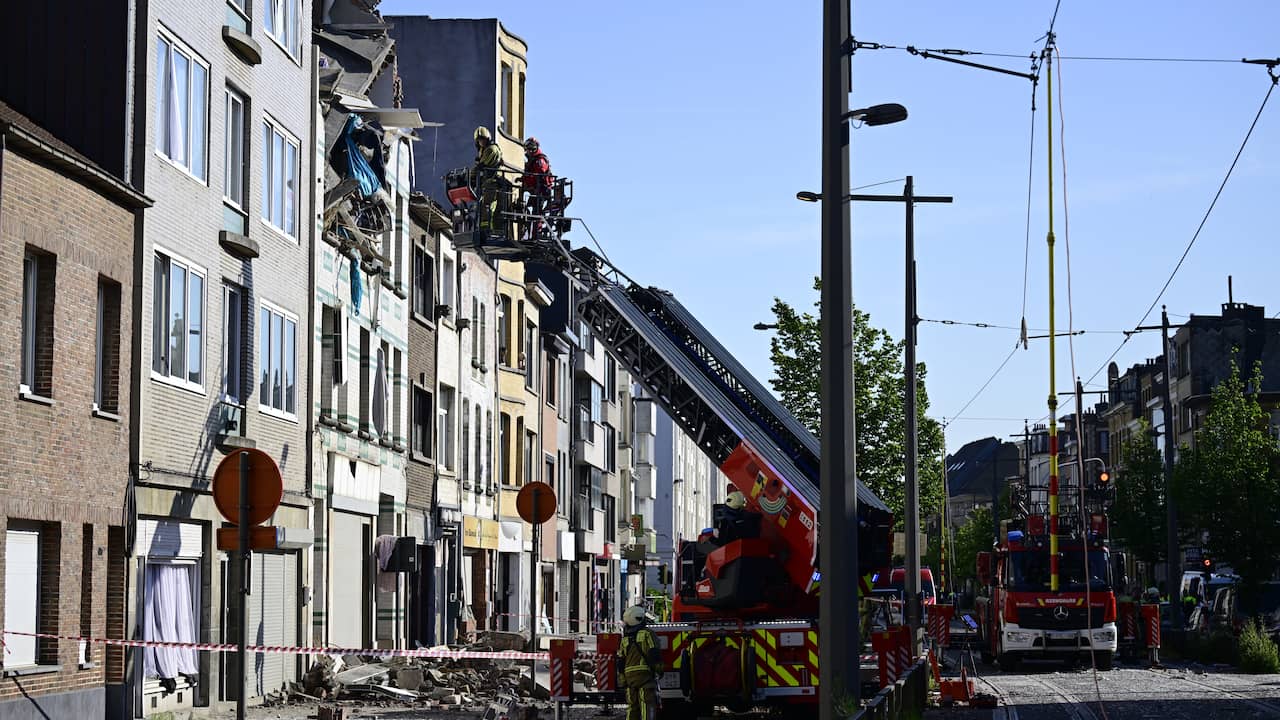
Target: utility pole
(1172, 566)
(911, 322)
(841, 647)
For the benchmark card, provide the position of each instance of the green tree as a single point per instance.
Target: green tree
(971, 538)
(1229, 483)
(880, 414)
(1138, 515)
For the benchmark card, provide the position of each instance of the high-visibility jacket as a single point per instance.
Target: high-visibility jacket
(641, 660)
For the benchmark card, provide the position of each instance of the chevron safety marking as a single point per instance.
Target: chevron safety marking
(776, 674)
(811, 645)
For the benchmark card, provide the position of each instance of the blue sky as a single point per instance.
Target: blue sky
(688, 127)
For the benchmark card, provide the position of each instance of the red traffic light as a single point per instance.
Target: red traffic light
(1207, 562)
(1104, 477)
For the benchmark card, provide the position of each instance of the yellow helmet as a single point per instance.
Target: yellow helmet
(634, 615)
(736, 500)
(481, 132)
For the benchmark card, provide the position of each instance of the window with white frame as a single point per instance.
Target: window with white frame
(177, 348)
(507, 123)
(234, 177)
(277, 335)
(446, 284)
(281, 23)
(465, 471)
(280, 179)
(445, 453)
(232, 342)
(182, 98)
(38, 289)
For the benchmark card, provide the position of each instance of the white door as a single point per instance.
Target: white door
(21, 580)
(346, 548)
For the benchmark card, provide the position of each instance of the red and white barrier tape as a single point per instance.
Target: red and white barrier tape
(292, 650)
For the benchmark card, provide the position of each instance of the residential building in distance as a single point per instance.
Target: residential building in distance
(688, 484)
(67, 226)
(980, 467)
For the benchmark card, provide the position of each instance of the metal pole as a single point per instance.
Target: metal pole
(242, 612)
(1172, 564)
(839, 651)
(911, 585)
(1053, 360)
(995, 495)
(536, 558)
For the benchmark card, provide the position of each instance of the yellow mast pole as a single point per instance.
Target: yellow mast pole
(1053, 379)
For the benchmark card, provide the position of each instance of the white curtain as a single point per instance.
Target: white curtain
(177, 149)
(169, 616)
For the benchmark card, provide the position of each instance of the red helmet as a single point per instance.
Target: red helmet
(531, 145)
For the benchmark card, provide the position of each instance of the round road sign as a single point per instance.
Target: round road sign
(536, 502)
(266, 487)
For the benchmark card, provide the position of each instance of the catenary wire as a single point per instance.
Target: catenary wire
(986, 384)
(1199, 228)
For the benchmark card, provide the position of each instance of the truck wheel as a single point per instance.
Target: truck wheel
(1103, 659)
(986, 657)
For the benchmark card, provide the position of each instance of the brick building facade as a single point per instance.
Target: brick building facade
(66, 412)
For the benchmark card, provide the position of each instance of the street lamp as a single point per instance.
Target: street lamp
(765, 326)
(883, 114)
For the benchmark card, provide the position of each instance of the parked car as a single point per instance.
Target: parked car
(1232, 607)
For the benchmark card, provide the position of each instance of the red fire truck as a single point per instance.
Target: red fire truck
(1021, 614)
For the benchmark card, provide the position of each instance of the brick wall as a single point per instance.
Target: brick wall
(420, 474)
(64, 468)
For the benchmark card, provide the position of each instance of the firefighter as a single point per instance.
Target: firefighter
(487, 181)
(641, 665)
(736, 500)
(537, 182)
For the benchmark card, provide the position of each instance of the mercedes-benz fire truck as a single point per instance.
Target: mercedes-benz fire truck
(744, 628)
(1020, 614)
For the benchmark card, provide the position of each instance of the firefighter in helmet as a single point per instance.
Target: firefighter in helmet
(641, 665)
(736, 500)
(487, 181)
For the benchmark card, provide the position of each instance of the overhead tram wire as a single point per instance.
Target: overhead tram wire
(995, 326)
(1032, 56)
(1275, 79)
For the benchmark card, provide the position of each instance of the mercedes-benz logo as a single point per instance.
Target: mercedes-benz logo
(1061, 612)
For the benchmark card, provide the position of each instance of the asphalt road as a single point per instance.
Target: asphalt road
(1051, 692)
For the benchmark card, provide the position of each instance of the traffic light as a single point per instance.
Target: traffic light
(1206, 564)
(664, 574)
(1103, 478)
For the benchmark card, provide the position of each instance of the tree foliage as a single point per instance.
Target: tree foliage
(1229, 483)
(880, 413)
(973, 537)
(1138, 515)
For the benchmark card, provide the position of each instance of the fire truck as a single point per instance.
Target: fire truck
(1022, 612)
(744, 617)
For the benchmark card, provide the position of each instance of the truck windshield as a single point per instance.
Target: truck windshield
(1029, 570)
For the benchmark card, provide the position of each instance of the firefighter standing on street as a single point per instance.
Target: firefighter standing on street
(641, 665)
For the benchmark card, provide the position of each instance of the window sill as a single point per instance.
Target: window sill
(24, 393)
(180, 168)
(105, 415)
(278, 415)
(424, 320)
(278, 232)
(179, 384)
(424, 459)
(276, 41)
(87, 665)
(32, 670)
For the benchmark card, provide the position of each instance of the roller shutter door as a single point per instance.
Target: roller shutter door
(564, 597)
(273, 620)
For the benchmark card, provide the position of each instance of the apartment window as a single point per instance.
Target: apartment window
(333, 352)
(597, 402)
(506, 99)
(280, 179)
(504, 331)
(484, 336)
(520, 104)
(488, 444)
(446, 455)
(177, 350)
(397, 402)
(504, 447)
(282, 23)
(423, 283)
(610, 448)
(446, 283)
(398, 226)
(475, 331)
(610, 379)
(365, 390)
(233, 342)
(238, 15)
(479, 450)
(549, 381)
(277, 335)
(465, 474)
(422, 417)
(31, 586)
(530, 457)
(530, 356)
(87, 602)
(182, 115)
(38, 290)
(610, 518)
(234, 177)
(106, 375)
(586, 339)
